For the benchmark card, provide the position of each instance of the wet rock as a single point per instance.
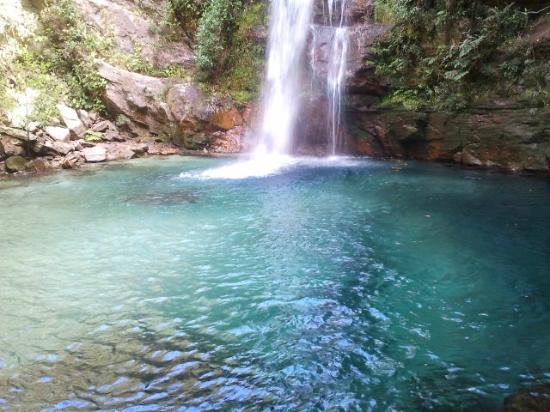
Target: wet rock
(227, 142)
(15, 164)
(94, 154)
(72, 160)
(58, 133)
(140, 149)
(39, 165)
(227, 119)
(71, 120)
(169, 198)
(536, 399)
(162, 149)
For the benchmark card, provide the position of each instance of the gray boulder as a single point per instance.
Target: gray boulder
(71, 120)
(94, 154)
(58, 133)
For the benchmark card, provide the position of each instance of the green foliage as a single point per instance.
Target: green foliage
(213, 33)
(67, 47)
(442, 54)
(245, 63)
(92, 136)
(186, 12)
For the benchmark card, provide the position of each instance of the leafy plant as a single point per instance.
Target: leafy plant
(442, 53)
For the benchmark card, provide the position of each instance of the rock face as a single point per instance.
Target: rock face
(511, 134)
(134, 26)
(165, 109)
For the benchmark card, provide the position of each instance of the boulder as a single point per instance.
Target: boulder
(39, 165)
(94, 154)
(103, 126)
(140, 99)
(58, 133)
(19, 134)
(15, 164)
(56, 147)
(85, 118)
(72, 161)
(71, 120)
(140, 149)
(120, 151)
(11, 146)
(228, 141)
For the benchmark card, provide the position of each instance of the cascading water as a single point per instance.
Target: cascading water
(335, 79)
(335, 19)
(289, 28)
(290, 24)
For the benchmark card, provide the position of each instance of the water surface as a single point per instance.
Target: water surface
(345, 285)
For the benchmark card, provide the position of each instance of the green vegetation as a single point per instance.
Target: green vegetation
(448, 54)
(69, 48)
(92, 136)
(228, 55)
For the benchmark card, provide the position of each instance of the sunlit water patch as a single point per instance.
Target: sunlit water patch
(339, 283)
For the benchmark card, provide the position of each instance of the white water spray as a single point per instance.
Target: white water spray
(289, 28)
(336, 70)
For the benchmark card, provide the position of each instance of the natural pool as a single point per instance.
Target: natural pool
(345, 284)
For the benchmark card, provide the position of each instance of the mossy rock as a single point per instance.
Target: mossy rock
(15, 164)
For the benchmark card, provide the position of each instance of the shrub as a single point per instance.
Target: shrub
(442, 53)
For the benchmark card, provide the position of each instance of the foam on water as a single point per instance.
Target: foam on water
(268, 165)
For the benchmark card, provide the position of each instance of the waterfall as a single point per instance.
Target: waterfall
(288, 33)
(336, 70)
(335, 80)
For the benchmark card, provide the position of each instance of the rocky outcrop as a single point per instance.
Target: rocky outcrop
(134, 27)
(511, 134)
(510, 137)
(166, 109)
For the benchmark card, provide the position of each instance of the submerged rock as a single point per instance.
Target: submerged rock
(170, 198)
(536, 399)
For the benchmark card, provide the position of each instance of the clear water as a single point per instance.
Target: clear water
(343, 284)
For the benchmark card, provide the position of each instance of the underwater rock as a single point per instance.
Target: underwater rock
(169, 198)
(536, 399)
